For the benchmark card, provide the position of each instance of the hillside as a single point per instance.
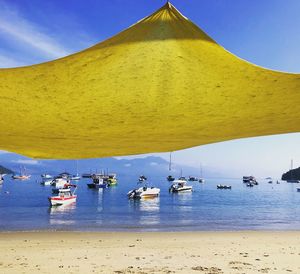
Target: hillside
(293, 174)
(4, 170)
(150, 165)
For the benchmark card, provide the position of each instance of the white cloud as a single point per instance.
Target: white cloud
(27, 162)
(16, 28)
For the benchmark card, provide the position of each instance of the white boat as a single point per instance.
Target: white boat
(180, 186)
(143, 192)
(75, 177)
(59, 182)
(65, 196)
(47, 182)
(46, 176)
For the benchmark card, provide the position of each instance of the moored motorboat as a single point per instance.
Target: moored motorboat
(98, 182)
(142, 178)
(65, 196)
(170, 178)
(143, 192)
(223, 187)
(250, 179)
(180, 186)
(201, 180)
(47, 182)
(193, 179)
(112, 179)
(46, 176)
(75, 177)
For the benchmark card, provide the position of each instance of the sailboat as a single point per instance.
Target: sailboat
(292, 180)
(76, 177)
(201, 180)
(22, 176)
(170, 178)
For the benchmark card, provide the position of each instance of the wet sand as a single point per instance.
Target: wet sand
(178, 252)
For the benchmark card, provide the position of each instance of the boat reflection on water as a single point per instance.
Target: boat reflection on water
(147, 210)
(147, 204)
(59, 215)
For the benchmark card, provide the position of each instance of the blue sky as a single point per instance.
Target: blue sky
(263, 32)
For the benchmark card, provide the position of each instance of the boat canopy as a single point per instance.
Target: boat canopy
(160, 75)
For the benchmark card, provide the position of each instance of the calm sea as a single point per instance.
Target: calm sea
(24, 207)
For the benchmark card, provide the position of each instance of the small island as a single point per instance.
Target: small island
(292, 174)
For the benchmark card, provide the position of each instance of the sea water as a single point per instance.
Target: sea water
(24, 206)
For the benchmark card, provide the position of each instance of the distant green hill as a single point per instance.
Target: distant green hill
(293, 174)
(4, 170)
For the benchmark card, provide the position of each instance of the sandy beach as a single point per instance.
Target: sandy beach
(163, 252)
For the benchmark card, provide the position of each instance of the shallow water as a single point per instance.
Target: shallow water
(264, 207)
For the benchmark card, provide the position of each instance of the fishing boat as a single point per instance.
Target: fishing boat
(46, 176)
(143, 193)
(142, 178)
(112, 179)
(170, 178)
(65, 186)
(98, 182)
(59, 182)
(223, 187)
(180, 186)
(64, 196)
(250, 179)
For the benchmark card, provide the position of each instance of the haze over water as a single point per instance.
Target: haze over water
(24, 207)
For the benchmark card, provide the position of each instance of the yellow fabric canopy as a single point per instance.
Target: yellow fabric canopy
(161, 85)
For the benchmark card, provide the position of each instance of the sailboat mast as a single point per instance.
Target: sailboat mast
(170, 162)
(200, 170)
(292, 166)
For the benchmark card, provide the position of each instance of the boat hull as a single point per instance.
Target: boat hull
(180, 190)
(97, 186)
(58, 201)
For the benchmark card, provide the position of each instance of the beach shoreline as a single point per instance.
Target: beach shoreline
(208, 252)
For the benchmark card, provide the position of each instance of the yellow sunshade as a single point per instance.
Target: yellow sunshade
(161, 85)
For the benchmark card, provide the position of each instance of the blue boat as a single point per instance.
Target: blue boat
(98, 182)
